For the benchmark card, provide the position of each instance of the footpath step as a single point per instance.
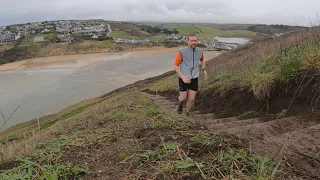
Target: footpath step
(233, 124)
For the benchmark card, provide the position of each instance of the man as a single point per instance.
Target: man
(186, 65)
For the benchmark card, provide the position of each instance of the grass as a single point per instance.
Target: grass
(159, 39)
(281, 66)
(45, 166)
(49, 36)
(128, 128)
(32, 170)
(258, 67)
(6, 46)
(27, 40)
(215, 26)
(122, 34)
(184, 30)
(99, 44)
(209, 30)
(165, 84)
(170, 160)
(65, 116)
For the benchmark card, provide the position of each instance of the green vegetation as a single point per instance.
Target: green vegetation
(26, 40)
(45, 166)
(105, 126)
(122, 34)
(132, 137)
(185, 30)
(49, 36)
(159, 39)
(83, 37)
(260, 68)
(156, 29)
(169, 160)
(168, 83)
(32, 170)
(205, 31)
(281, 66)
(272, 29)
(100, 44)
(65, 116)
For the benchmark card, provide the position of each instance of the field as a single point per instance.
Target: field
(256, 117)
(205, 31)
(122, 34)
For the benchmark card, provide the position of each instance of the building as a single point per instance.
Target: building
(76, 29)
(46, 30)
(63, 30)
(38, 38)
(66, 38)
(8, 37)
(18, 36)
(83, 32)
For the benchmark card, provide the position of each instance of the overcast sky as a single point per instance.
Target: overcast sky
(291, 12)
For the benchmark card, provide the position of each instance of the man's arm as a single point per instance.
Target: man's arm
(203, 66)
(176, 65)
(202, 62)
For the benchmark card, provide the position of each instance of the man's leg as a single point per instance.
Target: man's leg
(191, 98)
(192, 91)
(183, 95)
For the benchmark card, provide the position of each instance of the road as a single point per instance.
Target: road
(110, 30)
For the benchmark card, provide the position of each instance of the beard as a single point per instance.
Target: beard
(193, 45)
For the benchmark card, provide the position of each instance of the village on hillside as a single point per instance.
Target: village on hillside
(72, 30)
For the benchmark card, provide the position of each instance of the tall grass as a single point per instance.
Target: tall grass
(261, 64)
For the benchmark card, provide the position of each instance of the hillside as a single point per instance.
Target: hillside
(273, 29)
(257, 117)
(52, 38)
(205, 31)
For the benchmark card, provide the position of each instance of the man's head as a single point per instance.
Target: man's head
(192, 40)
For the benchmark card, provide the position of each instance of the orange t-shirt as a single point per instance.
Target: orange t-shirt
(178, 59)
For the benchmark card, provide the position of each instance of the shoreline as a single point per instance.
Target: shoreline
(32, 122)
(90, 58)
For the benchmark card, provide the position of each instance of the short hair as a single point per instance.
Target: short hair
(191, 35)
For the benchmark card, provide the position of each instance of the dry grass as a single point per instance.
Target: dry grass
(127, 135)
(259, 65)
(252, 55)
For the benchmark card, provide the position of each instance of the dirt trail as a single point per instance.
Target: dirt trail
(294, 140)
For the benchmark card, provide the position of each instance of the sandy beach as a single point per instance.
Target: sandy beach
(83, 58)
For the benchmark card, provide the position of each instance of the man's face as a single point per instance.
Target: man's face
(193, 41)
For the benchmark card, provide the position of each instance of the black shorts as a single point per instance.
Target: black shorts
(192, 86)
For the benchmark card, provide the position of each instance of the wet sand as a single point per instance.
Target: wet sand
(84, 59)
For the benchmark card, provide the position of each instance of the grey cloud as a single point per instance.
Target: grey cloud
(214, 11)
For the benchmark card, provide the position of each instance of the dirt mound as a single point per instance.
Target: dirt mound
(300, 148)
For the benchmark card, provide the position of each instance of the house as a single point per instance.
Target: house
(8, 37)
(83, 32)
(277, 35)
(18, 36)
(63, 30)
(46, 30)
(76, 29)
(120, 40)
(218, 45)
(38, 38)
(66, 38)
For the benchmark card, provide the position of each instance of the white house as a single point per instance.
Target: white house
(38, 38)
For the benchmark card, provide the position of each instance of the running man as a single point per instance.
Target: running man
(186, 65)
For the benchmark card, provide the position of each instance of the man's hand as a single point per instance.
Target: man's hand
(185, 79)
(205, 74)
